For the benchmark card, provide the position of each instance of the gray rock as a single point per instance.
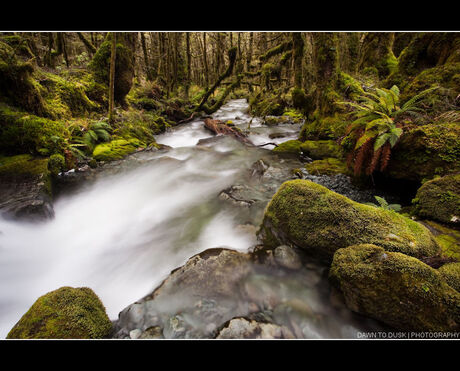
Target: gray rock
(287, 257)
(241, 328)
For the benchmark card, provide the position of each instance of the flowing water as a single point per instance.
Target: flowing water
(123, 233)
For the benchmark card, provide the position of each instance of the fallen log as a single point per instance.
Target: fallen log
(220, 127)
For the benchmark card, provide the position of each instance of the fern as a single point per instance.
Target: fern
(376, 115)
(382, 203)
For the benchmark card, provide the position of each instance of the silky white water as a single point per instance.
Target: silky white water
(123, 235)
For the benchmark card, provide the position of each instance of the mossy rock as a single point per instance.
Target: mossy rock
(66, 313)
(396, 289)
(320, 149)
(451, 273)
(447, 238)
(439, 199)
(324, 127)
(22, 132)
(56, 164)
(327, 166)
(444, 76)
(23, 166)
(116, 149)
(320, 221)
(17, 87)
(426, 151)
(290, 146)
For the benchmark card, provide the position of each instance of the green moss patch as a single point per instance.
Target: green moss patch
(66, 313)
(451, 273)
(320, 149)
(290, 146)
(116, 149)
(327, 166)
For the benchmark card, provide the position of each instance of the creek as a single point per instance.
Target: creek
(124, 231)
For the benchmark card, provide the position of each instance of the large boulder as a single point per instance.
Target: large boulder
(309, 216)
(439, 199)
(66, 313)
(396, 289)
(451, 273)
(426, 151)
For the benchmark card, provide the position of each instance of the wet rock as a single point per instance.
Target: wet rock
(241, 328)
(396, 289)
(154, 332)
(287, 257)
(233, 194)
(258, 168)
(25, 188)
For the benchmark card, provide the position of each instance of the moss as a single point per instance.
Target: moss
(324, 127)
(445, 77)
(66, 313)
(447, 238)
(268, 104)
(22, 132)
(56, 164)
(294, 115)
(349, 86)
(426, 151)
(25, 168)
(66, 95)
(290, 146)
(320, 149)
(396, 289)
(439, 199)
(311, 217)
(116, 149)
(124, 69)
(17, 86)
(328, 166)
(451, 273)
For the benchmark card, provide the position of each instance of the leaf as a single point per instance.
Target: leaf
(382, 202)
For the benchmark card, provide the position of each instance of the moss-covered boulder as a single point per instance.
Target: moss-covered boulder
(451, 273)
(426, 151)
(327, 166)
(320, 149)
(439, 199)
(313, 218)
(116, 149)
(66, 313)
(447, 238)
(396, 289)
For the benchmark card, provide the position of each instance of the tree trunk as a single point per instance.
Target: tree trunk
(89, 46)
(112, 77)
(189, 63)
(205, 62)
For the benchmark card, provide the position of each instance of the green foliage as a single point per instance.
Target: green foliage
(376, 125)
(327, 166)
(56, 164)
(384, 204)
(97, 132)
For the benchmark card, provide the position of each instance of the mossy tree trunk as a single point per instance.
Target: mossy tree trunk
(189, 63)
(326, 66)
(377, 51)
(113, 54)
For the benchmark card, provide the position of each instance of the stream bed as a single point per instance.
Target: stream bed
(136, 220)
